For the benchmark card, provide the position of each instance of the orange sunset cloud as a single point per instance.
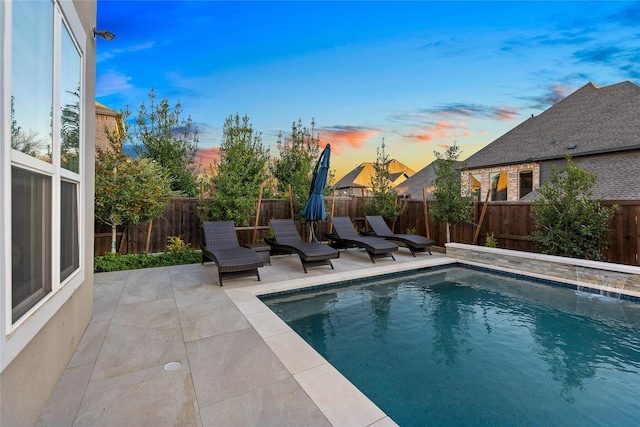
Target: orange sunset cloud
(351, 137)
(206, 156)
(441, 130)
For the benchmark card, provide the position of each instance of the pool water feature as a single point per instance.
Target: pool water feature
(459, 346)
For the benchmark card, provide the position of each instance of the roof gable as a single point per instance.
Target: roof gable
(362, 174)
(104, 110)
(424, 178)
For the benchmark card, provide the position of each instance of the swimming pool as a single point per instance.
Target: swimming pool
(459, 346)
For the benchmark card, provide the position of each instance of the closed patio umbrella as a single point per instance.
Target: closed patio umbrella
(314, 210)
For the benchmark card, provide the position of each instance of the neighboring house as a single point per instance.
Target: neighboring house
(598, 126)
(413, 187)
(106, 118)
(46, 191)
(358, 181)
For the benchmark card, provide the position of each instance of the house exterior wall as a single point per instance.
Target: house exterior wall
(547, 166)
(36, 348)
(513, 173)
(104, 121)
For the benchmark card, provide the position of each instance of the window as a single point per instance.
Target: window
(31, 83)
(46, 143)
(31, 241)
(499, 183)
(475, 185)
(70, 104)
(69, 245)
(525, 183)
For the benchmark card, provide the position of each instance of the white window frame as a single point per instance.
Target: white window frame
(16, 335)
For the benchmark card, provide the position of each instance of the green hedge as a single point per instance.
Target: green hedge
(117, 262)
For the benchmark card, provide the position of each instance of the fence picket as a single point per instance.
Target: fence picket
(510, 223)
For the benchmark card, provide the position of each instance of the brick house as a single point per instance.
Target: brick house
(598, 126)
(106, 118)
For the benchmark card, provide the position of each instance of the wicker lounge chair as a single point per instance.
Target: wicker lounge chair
(413, 242)
(286, 239)
(222, 247)
(346, 236)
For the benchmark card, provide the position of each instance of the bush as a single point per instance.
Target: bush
(569, 221)
(491, 241)
(118, 262)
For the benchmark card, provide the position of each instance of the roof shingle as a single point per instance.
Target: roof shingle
(591, 120)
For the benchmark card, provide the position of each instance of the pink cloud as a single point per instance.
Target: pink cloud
(339, 138)
(504, 113)
(441, 130)
(206, 156)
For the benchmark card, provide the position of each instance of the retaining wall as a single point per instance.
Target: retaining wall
(618, 278)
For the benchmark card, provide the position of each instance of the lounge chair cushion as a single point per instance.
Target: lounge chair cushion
(346, 235)
(222, 247)
(414, 242)
(287, 239)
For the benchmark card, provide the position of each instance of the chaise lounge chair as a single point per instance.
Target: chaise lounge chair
(222, 247)
(286, 239)
(346, 236)
(413, 242)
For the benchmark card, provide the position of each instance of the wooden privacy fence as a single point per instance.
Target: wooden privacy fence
(509, 222)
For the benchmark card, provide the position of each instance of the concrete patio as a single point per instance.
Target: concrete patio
(238, 363)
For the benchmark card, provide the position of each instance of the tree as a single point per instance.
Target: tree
(28, 142)
(569, 221)
(127, 191)
(70, 133)
(298, 156)
(452, 202)
(384, 200)
(236, 179)
(162, 136)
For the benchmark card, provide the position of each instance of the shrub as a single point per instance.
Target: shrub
(490, 241)
(177, 245)
(118, 262)
(568, 220)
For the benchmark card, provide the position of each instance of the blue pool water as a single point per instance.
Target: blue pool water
(463, 347)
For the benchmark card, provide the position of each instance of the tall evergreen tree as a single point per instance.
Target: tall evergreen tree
(235, 180)
(384, 199)
(160, 134)
(452, 201)
(294, 167)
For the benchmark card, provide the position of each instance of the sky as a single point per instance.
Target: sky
(417, 76)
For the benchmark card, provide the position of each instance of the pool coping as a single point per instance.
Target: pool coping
(335, 396)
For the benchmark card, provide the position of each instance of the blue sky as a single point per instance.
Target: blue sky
(421, 75)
